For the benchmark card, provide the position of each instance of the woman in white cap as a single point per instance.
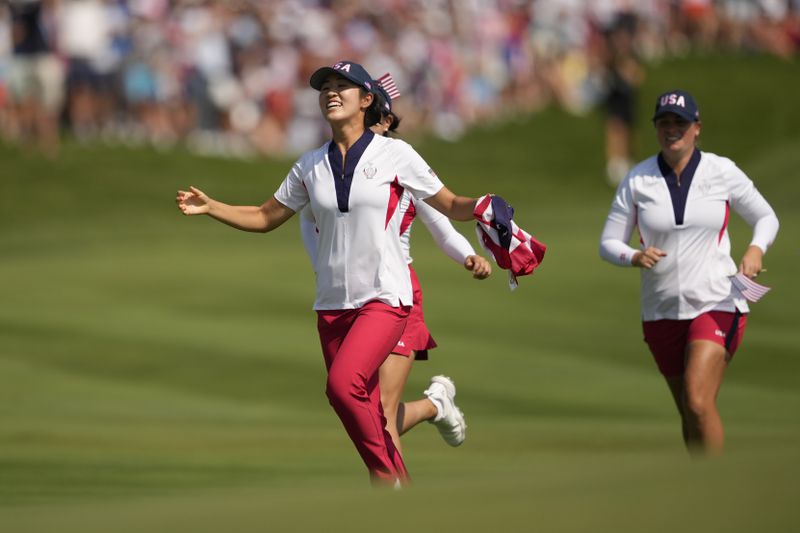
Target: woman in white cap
(438, 406)
(354, 185)
(693, 315)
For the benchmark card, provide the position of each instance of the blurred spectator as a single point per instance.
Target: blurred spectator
(84, 38)
(699, 22)
(769, 30)
(34, 76)
(623, 75)
(229, 76)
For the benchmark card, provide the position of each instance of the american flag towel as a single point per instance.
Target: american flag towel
(513, 248)
(751, 290)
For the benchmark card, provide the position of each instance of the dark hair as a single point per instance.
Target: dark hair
(373, 113)
(395, 122)
(380, 100)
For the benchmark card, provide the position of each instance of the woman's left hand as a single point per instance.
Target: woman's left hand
(751, 262)
(479, 266)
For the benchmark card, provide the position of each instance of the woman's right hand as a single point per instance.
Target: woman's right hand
(193, 202)
(648, 258)
(479, 266)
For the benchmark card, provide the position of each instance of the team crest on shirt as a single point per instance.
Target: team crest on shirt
(705, 188)
(370, 172)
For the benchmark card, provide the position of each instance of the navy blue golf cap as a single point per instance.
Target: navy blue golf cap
(346, 69)
(387, 100)
(679, 102)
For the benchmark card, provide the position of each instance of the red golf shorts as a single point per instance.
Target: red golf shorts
(668, 339)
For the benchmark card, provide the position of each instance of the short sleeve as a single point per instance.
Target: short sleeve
(292, 192)
(414, 173)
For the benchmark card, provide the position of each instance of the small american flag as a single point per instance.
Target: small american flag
(387, 82)
(751, 290)
(513, 248)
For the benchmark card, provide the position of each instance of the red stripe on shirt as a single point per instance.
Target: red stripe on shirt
(636, 223)
(408, 217)
(725, 223)
(395, 192)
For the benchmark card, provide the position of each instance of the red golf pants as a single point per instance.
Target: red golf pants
(355, 343)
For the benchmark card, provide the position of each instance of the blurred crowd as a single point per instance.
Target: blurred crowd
(231, 77)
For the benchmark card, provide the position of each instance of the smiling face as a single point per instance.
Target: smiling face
(342, 101)
(676, 135)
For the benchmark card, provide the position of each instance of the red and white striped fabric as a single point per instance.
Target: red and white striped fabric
(387, 82)
(513, 248)
(751, 290)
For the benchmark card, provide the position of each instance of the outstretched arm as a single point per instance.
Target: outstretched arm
(453, 206)
(264, 218)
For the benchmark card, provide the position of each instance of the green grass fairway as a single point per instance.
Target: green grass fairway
(162, 374)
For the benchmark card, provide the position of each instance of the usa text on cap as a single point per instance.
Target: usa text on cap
(679, 102)
(346, 69)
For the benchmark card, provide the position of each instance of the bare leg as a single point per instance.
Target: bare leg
(676, 387)
(705, 368)
(416, 412)
(47, 133)
(393, 375)
(401, 416)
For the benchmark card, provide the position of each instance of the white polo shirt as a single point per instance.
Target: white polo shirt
(689, 223)
(449, 240)
(355, 204)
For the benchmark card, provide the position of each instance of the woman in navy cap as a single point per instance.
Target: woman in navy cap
(693, 315)
(438, 405)
(353, 185)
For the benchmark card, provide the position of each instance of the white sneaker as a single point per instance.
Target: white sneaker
(449, 420)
